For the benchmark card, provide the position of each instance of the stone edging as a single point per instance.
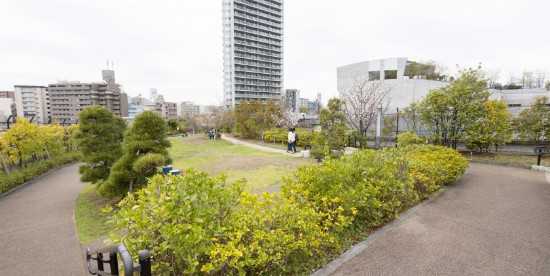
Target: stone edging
(6, 194)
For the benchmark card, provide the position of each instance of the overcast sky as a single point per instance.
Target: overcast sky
(176, 45)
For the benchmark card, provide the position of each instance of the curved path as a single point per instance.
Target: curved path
(495, 221)
(37, 227)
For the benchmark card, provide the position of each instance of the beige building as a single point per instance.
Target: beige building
(67, 99)
(168, 110)
(32, 102)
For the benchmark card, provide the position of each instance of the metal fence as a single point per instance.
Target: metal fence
(393, 124)
(143, 267)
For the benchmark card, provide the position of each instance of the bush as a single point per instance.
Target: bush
(32, 171)
(432, 167)
(407, 138)
(280, 135)
(373, 186)
(194, 223)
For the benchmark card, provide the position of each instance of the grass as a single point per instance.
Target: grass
(91, 223)
(260, 168)
(521, 160)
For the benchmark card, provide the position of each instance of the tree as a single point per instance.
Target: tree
(145, 149)
(52, 138)
(450, 110)
(533, 124)
(252, 118)
(390, 124)
(99, 139)
(21, 142)
(411, 114)
(173, 125)
(361, 100)
(333, 123)
(493, 129)
(303, 109)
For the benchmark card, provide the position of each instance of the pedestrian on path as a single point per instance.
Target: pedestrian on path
(291, 140)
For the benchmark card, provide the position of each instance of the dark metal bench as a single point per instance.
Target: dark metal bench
(144, 266)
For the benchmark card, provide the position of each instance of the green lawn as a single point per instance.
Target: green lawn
(509, 159)
(90, 222)
(260, 168)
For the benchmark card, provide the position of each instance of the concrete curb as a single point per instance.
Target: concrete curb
(29, 183)
(540, 168)
(360, 247)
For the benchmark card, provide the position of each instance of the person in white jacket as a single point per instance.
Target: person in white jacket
(291, 140)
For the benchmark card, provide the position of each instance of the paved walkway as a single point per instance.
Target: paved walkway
(37, 227)
(496, 221)
(256, 146)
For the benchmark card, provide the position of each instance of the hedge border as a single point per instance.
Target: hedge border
(30, 183)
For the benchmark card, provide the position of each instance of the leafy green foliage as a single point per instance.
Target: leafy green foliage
(451, 110)
(99, 138)
(32, 171)
(407, 138)
(280, 135)
(372, 184)
(431, 167)
(532, 124)
(21, 142)
(145, 148)
(251, 118)
(195, 224)
(494, 128)
(333, 123)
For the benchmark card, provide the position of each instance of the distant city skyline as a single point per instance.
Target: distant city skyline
(177, 47)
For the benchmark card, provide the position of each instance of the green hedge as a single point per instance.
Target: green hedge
(197, 224)
(32, 171)
(280, 135)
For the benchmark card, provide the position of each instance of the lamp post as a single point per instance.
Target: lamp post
(378, 115)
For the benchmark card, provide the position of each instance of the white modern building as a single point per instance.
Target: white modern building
(253, 50)
(33, 101)
(407, 84)
(518, 99)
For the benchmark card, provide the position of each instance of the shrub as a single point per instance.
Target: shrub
(408, 137)
(371, 185)
(194, 223)
(32, 171)
(433, 166)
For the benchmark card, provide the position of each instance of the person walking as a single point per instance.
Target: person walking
(291, 140)
(295, 140)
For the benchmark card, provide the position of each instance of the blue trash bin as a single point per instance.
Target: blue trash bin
(166, 169)
(175, 172)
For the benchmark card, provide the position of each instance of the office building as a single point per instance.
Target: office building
(168, 110)
(189, 109)
(67, 99)
(33, 102)
(253, 50)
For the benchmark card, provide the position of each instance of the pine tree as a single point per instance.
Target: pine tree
(99, 139)
(145, 149)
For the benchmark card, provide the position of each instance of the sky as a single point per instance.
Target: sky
(176, 46)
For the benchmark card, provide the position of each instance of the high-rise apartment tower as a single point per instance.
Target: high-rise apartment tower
(253, 50)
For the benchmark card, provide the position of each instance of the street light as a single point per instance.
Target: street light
(378, 115)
